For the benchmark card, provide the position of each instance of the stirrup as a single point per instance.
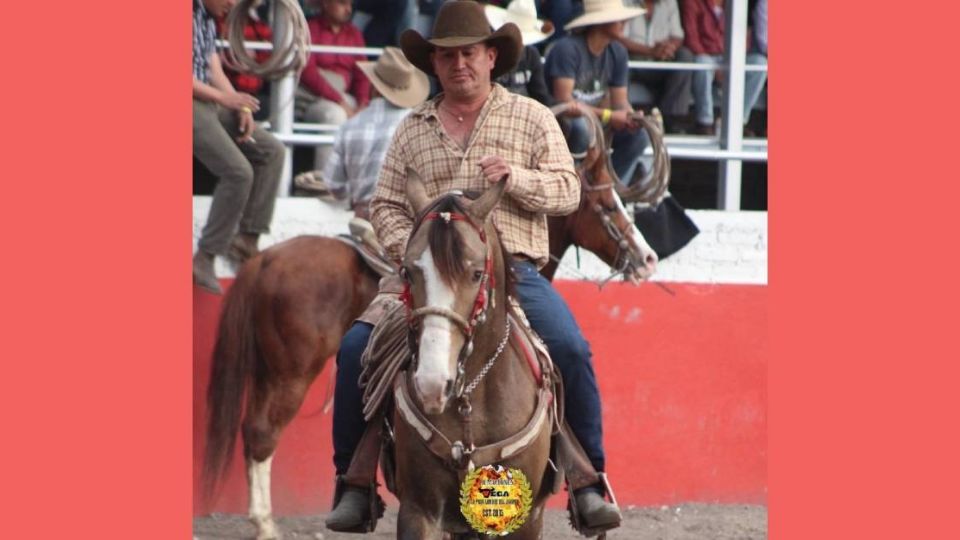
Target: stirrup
(375, 506)
(574, 513)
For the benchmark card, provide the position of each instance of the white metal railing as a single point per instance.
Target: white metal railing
(729, 147)
(375, 51)
(687, 66)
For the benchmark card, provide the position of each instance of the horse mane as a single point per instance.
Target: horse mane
(446, 245)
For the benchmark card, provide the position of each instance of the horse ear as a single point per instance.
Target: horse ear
(481, 208)
(416, 191)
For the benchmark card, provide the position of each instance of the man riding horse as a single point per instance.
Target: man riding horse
(468, 137)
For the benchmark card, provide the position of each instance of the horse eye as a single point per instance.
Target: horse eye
(404, 274)
(477, 275)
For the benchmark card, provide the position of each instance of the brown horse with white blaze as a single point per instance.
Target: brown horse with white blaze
(470, 381)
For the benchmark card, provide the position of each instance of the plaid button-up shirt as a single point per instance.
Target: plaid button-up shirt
(518, 129)
(358, 150)
(204, 41)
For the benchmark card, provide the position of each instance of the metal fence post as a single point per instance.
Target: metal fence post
(731, 135)
(281, 100)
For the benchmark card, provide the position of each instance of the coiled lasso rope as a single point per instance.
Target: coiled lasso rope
(286, 57)
(653, 187)
(650, 189)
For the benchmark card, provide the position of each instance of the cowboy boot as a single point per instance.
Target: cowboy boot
(243, 247)
(355, 509)
(203, 273)
(590, 513)
(596, 513)
(356, 504)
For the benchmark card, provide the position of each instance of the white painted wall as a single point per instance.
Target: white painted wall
(731, 247)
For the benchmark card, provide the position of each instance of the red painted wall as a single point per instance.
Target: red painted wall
(683, 378)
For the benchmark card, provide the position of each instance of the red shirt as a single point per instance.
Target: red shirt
(702, 28)
(345, 65)
(253, 31)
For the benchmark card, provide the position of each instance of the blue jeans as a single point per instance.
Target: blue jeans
(628, 147)
(552, 320)
(703, 87)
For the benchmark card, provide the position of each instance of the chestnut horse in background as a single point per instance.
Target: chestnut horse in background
(290, 306)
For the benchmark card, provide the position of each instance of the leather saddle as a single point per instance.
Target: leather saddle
(364, 241)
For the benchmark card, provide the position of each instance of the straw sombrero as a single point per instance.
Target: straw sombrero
(602, 12)
(396, 78)
(460, 23)
(522, 13)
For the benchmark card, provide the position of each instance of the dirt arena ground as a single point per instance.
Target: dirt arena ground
(683, 522)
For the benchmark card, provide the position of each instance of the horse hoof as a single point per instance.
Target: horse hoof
(267, 530)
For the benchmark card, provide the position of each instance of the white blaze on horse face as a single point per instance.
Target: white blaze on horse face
(436, 344)
(640, 245)
(258, 474)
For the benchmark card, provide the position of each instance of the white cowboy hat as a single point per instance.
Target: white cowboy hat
(397, 79)
(602, 12)
(522, 13)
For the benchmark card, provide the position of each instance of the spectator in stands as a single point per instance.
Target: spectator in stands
(527, 78)
(255, 30)
(589, 68)
(246, 158)
(760, 26)
(332, 88)
(703, 21)
(658, 36)
(362, 141)
(385, 20)
(561, 12)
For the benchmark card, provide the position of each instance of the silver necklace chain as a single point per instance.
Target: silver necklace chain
(503, 343)
(450, 112)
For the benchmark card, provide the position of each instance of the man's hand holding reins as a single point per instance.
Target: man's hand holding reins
(494, 168)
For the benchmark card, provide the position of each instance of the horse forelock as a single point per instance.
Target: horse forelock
(446, 242)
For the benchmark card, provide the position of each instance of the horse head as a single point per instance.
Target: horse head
(454, 271)
(602, 224)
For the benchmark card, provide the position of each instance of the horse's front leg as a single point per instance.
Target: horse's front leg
(414, 524)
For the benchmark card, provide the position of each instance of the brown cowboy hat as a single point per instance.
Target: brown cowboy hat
(459, 23)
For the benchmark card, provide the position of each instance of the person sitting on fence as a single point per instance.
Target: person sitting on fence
(361, 143)
(247, 160)
(589, 69)
(332, 87)
(527, 78)
(703, 22)
(658, 36)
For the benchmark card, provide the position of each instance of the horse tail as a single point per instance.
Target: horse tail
(234, 357)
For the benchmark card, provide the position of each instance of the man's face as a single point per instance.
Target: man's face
(337, 11)
(613, 30)
(464, 70)
(219, 8)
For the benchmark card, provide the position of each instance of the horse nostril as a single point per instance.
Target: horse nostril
(448, 387)
(651, 260)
